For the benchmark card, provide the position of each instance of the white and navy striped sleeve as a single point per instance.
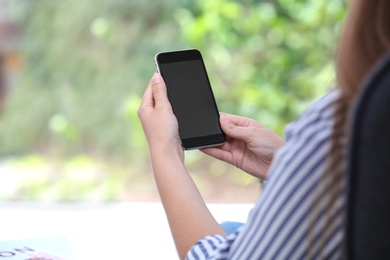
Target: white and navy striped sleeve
(278, 225)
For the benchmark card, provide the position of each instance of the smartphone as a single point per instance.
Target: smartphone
(191, 97)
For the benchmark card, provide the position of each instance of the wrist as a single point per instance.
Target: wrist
(167, 152)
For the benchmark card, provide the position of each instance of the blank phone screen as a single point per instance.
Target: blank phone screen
(191, 98)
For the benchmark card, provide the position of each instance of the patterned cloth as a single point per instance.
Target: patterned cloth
(278, 227)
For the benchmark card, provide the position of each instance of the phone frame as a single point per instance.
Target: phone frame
(186, 55)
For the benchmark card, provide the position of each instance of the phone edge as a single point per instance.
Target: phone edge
(181, 142)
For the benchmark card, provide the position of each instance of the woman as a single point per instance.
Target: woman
(300, 212)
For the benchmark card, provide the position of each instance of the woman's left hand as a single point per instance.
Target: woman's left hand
(157, 118)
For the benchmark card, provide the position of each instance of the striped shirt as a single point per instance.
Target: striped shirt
(278, 227)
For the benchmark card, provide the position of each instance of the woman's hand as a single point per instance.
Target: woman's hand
(188, 215)
(157, 119)
(249, 145)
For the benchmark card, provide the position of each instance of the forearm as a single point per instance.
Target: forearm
(188, 216)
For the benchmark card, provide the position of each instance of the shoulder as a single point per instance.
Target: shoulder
(320, 112)
(322, 104)
(307, 140)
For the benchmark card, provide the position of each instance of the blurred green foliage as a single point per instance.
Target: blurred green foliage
(87, 63)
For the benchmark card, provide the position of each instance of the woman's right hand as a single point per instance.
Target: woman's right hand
(249, 145)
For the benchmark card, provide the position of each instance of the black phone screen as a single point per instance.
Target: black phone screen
(191, 97)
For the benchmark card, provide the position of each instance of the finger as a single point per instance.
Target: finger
(219, 153)
(159, 91)
(147, 99)
(239, 120)
(236, 131)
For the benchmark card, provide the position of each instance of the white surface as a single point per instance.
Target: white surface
(103, 231)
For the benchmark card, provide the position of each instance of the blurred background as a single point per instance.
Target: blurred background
(72, 74)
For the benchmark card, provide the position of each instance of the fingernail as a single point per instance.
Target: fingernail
(224, 118)
(156, 78)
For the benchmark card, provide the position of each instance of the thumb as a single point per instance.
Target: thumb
(159, 91)
(238, 132)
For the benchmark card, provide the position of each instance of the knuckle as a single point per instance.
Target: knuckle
(156, 88)
(140, 112)
(252, 131)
